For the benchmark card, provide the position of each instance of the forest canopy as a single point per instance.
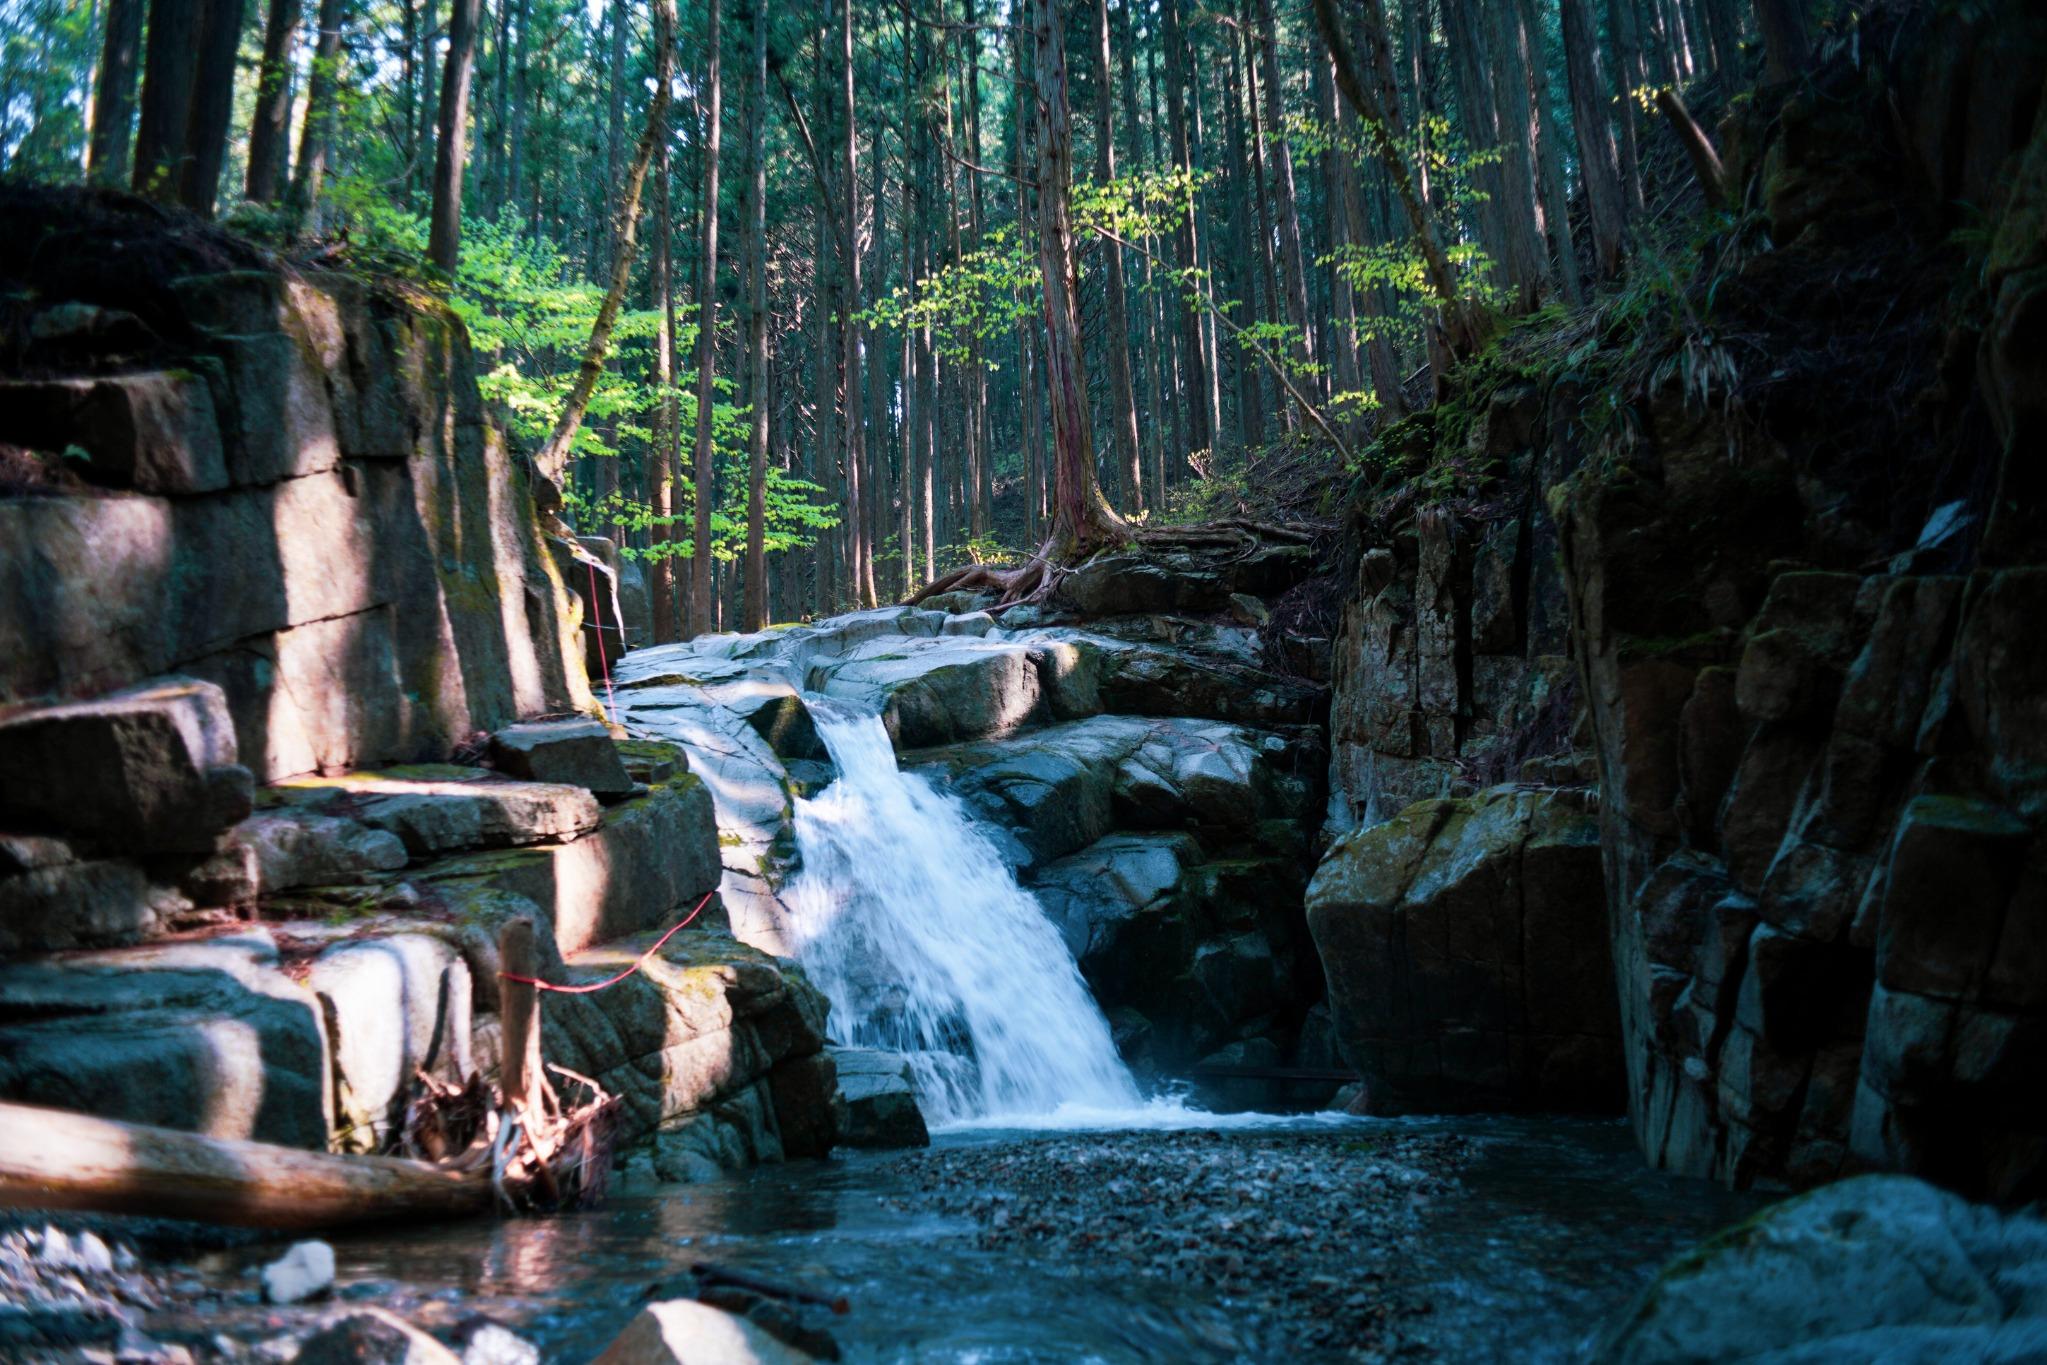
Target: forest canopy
(807, 306)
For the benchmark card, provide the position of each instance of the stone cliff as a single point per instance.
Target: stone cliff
(1766, 593)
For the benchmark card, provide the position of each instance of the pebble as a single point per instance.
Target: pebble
(1284, 1229)
(306, 1271)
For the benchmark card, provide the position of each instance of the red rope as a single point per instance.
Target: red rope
(597, 610)
(640, 962)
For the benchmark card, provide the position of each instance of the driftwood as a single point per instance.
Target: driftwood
(51, 1159)
(518, 1148)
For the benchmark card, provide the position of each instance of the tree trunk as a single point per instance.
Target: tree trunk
(113, 99)
(1287, 205)
(210, 107)
(1549, 154)
(1193, 377)
(1458, 326)
(660, 470)
(169, 67)
(1250, 391)
(1597, 161)
(316, 136)
(704, 481)
(754, 611)
(444, 246)
(553, 460)
(1785, 46)
(53, 1159)
(1081, 516)
(1123, 393)
(270, 131)
(858, 562)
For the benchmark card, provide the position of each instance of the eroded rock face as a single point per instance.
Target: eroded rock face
(1875, 1268)
(210, 1037)
(312, 514)
(1465, 946)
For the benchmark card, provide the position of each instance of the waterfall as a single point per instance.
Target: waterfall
(911, 923)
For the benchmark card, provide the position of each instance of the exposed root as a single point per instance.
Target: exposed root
(1035, 579)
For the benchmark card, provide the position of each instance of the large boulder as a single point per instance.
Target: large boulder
(316, 517)
(1874, 1268)
(698, 1044)
(685, 1332)
(1466, 951)
(579, 753)
(149, 769)
(395, 1005)
(938, 690)
(296, 847)
(877, 1099)
(211, 1037)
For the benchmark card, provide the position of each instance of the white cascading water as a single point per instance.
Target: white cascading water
(911, 923)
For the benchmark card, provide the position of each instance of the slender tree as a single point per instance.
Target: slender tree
(1081, 516)
(113, 100)
(553, 460)
(1123, 392)
(451, 150)
(270, 131)
(705, 480)
(754, 613)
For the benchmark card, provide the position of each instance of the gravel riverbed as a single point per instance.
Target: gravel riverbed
(1296, 1238)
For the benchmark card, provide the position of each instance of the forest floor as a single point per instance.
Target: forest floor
(1298, 1236)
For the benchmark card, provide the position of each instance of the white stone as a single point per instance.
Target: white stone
(304, 1272)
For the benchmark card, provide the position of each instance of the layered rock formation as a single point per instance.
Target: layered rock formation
(266, 566)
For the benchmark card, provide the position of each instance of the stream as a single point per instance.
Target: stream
(1550, 1229)
(1060, 1215)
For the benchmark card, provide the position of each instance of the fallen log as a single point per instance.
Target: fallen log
(53, 1159)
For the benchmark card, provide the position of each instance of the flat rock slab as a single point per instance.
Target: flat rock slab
(446, 809)
(295, 848)
(637, 865)
(580, 753)
(210, 1037)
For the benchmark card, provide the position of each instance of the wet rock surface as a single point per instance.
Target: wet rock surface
(1296, 1236)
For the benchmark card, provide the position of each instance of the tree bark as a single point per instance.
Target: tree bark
(113, 99)
(704, 483)
(1287, 206)
(859, 564)
(211, 107)
(1597, 161)
(1193, 375)
(1123, 393)
(1081, 516)
(663, 436)
(754, 610)
(270, 131)
(1250, 390)
(553, 460)
(53, 1159)
(171, 63)
(444, 244)
(1458, 326)
(316, 137)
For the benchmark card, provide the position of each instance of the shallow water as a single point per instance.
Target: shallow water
(1554, 1227)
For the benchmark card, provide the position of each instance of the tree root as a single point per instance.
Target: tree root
(1035, 579)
